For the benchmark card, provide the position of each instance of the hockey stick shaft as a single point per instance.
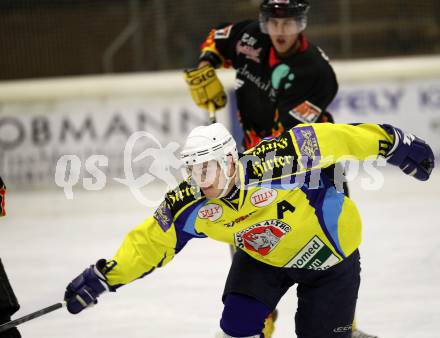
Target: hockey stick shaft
(212, 118)
(13, 323)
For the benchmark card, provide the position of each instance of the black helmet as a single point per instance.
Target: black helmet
(284, 8)
(296, 9)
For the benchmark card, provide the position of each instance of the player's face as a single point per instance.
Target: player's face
(209, 177)
(283, 33)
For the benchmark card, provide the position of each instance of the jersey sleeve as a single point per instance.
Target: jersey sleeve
(219, 47)
(150, 245)
(320, 145)
(309, 147)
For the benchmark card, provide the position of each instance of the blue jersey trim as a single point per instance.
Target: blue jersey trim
(317, 198)
(184, 229)
(331, 210)
(189, 225)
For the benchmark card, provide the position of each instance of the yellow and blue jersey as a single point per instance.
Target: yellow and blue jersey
(286, 212)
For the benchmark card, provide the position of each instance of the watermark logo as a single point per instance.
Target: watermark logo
(163, 160)
(146, 161)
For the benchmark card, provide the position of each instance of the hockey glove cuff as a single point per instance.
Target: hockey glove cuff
(410, 153)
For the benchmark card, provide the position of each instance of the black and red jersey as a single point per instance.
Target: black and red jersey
(2, 198)
(273, 94)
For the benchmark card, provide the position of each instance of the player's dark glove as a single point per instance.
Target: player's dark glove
(410, 153)
(84, 290)
(206, 88)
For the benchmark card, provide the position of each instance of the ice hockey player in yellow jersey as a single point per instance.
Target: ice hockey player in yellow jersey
(289, 222)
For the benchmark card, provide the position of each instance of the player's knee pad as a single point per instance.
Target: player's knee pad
(243, 316)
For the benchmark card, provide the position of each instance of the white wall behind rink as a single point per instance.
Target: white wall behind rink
(42, 119)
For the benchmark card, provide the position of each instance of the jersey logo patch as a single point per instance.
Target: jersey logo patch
(223, 33)
(315, 255)
(282, 75)
(262, 237)
(306, 112)
(251, 53)
(308, 144)
(163, 216)
(211, 211)
(263, 197)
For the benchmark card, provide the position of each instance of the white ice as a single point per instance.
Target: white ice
(46, 240)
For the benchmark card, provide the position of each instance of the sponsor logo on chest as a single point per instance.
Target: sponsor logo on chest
(238, 220)
(263, 197)
(246, 46)
(315, 255)
(211, 211)
(244, 73)
(262, 237)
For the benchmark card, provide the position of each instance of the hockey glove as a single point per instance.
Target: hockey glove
(84, 290)
(410, 153)
(205, 87)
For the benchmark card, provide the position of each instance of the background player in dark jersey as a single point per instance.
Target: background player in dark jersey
(8, 302)
(282, 79)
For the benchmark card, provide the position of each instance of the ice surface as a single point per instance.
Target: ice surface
(46, 240)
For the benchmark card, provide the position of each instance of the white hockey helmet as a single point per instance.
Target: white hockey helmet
(206, 143)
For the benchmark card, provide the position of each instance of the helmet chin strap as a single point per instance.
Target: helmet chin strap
(225, 190)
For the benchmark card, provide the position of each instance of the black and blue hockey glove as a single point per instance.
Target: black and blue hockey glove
(410, 153)
(84, 290)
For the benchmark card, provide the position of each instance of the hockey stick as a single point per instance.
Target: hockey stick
(33, 315)
(211, 111)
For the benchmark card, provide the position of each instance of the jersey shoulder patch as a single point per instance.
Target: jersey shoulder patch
(270, 159)
(223, 33)
(306, 112)
(175, 200)
(182, 195)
